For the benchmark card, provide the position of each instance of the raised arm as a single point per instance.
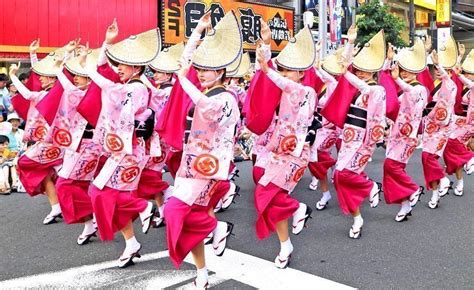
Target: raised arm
(192, 44)
(265, 45)
(22, 89)
(325, 76)
(91, 70)
(467, 82)
(362, 86)
(33, 48)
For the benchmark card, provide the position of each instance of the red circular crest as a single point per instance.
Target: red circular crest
(329, 142)
(159, 159)
(130, 174)
(461, 122)
(431, 128)
(441, 114)
(288, 144)
(299, 174)
(348, 135)
(63, 137)
(363, 160)
(90, 166)
(406, 129)
(441, 144)
(206, 164)
(40, 132)
(411, 150)
(53, 153)
(377, 133)
(113, 142)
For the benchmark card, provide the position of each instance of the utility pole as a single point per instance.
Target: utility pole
(323, 27)
(411, 16)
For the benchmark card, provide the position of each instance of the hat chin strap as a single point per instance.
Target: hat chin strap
(208, 83)
(133, 75)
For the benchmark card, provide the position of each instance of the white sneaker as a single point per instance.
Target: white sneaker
(220, 235)
(126, 259)
(444, 186)
(415, 197)
(229, 197)
(146, 217)
(314, 184)
(300, 217)
(374, 198)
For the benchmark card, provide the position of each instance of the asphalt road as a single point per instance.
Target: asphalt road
(433, 249)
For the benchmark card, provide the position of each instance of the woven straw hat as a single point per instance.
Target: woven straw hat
(412, 59)
(243, 68)
(233, 67)
(222, 47)
(46, 67)
(137, 50)
(75, 68)
(468, 64)
(331, 63)
(448, 53)
(299, 53)
(168, 59)
(372, 56)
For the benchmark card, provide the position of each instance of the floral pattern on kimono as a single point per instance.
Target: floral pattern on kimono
(402, 141)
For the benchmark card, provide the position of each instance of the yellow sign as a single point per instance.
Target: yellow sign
(443, 13)
(421, 18)
(429, 4)
(180, 17)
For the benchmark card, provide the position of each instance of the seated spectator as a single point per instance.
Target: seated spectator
(5, 104)
(6, 163)
(16, 134)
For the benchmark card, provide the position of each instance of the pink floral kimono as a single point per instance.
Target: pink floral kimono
(437, 127)
(402, 142)
(363, 129)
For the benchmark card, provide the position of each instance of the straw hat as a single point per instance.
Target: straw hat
(372, 56)
(233, 67)
(412, 59)
(448, 53)
(46, 66)
(137, 50)
(243, 68)
(299, 53)
(222, 47)
(168, 59)
(468, 64)
(331, 63)
(74, 67)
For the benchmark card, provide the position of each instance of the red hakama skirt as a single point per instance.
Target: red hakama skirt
(397, 184)
(352, 189)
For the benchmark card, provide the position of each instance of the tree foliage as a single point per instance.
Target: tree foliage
(373, 18)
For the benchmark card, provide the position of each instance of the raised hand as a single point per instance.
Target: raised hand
(14, 69)
(204, 22)
(352, 34)
(72, 45)
(82, 54)
(434, 57)
(261, 59)
(462, 49)
(265, 32)
(428, 43)
(34, 45)
(395, 72)
(390, 52)
(184, 67)
(112, 32)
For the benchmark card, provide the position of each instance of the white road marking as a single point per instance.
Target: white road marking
(234, 265)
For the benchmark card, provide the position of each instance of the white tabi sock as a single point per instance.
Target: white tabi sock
(132, 243)
(406, 207)
(55, 209)
(460, 184)
(89, 227)
(161, 210)
(358, 221)
(326, 197)
(286, 248)
(202, 277)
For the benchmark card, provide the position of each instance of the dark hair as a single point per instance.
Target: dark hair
(24, 76)
(3, 78)
(9, 83)
(4, 139)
